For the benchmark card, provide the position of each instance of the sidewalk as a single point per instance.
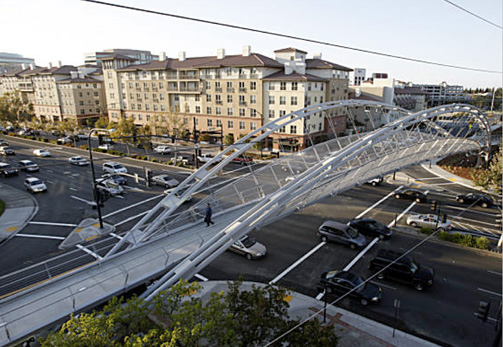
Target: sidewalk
(20, 207)
(352, 329)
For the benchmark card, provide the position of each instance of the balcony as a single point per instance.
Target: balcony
(254, 76)
(218, 90)
(242, 90)
(242, 103)
(171, 77)
(189, 76)
(230, 90)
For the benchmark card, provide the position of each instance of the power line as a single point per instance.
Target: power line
(325, 43)
(473, 14)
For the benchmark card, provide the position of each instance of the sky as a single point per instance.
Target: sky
(434, 30)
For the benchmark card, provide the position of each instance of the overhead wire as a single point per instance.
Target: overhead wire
(473, 14)
(266, 32)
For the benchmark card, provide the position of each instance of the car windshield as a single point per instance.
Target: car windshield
(248, 242)
(413, 266)
(34, 183)
(357, 281)
(117, 166)
(352, 232)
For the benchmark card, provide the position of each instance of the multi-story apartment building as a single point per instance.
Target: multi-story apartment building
(235, 93)
(138, 56)
(357, 76)
(11, 61)
(440, 94)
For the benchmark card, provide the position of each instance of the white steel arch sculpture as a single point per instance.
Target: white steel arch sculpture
(305, 177)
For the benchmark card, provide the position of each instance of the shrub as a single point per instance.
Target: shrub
(426, 231)
(154, 160)
(465, 240)
(482, 242)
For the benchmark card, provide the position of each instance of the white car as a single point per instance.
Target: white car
(429, 221)
(207, 157)
(41, 153)
(109, 187)
(78, 160)
(162, 150)
(249, 247)
(106, 146)
(165, 180)
(63, 140)
(179, 193)
(28, 166)
(113, 167)
(35, 185)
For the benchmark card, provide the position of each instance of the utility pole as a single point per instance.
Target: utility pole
(196, 146)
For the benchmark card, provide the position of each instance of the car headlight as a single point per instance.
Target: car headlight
(430, 282)
(375, 299)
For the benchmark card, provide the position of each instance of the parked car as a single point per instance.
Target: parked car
(28, 166)
(41, 153)
(7, 171)
(429, 221)
(204, 158)
(106, 146)
(116, 178)
(108, 187)
(249, 247)
(402, 269)
(341, 233)
(179, 193)
(411, 194)
(371, 227)
(165, 181)
(64, 140)
(113, 167)
(162, 150)
(82, 136)
(477, 198)
(6, 150)
(342, 282)
(57, 132)
(78, 160)
(184, 159)
(3, 130)
(3, 143)
(375, 181)
(243, 160)
(34, 185)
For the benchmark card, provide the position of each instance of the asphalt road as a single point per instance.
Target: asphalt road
(445, 313)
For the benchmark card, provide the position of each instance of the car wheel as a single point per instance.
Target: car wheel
(249, 256)
(381, 237)
(324, 239)
(364, 302)
(484, 205)
(413, 224)
(418, 286)
(352, 246)
(461, 201)
(374, 184)
(380, 276)
(418, 200)
(329, 290)
(397, 196)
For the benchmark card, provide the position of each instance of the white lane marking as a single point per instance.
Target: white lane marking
(54, 224)
(441, 184)
(130, 218)
(75, 175)
(319, 296)
(429, 178)
(365, 250)
(83, 200)
(383, 285)
(51, 182)
(495, 215)
(377, 203)
(471, 219)
(119, 196)
(134, 188)
(41, 236)
(489, 292)
(49, 171)
(116, 236)
(66, 172)
(201, 277)
(88, 251)
(494, 272)
(294, 265)
(393, 222)
(76, 190)
(133, 205)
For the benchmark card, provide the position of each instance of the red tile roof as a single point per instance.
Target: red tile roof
(289, 49)
(323, 64)
(294, 76)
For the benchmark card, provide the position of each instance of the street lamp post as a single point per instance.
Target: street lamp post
(95, 192)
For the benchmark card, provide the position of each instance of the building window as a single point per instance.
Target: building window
(253, 99)
(282, 130)
(242, 112)
(147, 117)
(208, 97)
(207, 85)
(196, 121)
(218, 99)
(161, 96)
(282, 113)
(271, 99)
(230, 124)
(163, 108)
(271, 114)
(187, 108)
(282, 86)
(218, 110)
(253, 85)
(321, 98)
(209, 122)
(229, 98)
(198, 98)
(229, 111)
(253, 112)
(282, 100)
(242, 100)
(271, 86)
(295, 86)
(253, 126)
(242, 87)
(293, 100)
(208, 110)
(147, 107)
(293, 129)
(198, 109)
(242, 125)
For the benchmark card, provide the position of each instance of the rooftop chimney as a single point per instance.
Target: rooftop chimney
(59, 63)
(32, 66)
(50, 65)
(317, 56)
(181, 56)
(162, 56)
(220, 53)
(23, 66)
(246, 51)
(74, 74)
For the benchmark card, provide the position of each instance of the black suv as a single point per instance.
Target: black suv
(341, 282)
(404, 270)
(480, 199)
(371, 227)
(411, 194)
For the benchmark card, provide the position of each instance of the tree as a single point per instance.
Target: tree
(178, 317)
(492, 177)
(228, 139)
(13, 109)
(125, 128)
(102, 122)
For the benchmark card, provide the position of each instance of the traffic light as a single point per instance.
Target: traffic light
(134, 136)
(173, 138)
(433, 205)
(100, 139)
(444, 218)
(483, 311)
(148, 176)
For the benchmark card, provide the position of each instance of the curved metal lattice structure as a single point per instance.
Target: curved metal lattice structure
(270, 192)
